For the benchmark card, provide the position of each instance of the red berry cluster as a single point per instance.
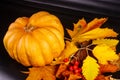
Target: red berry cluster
(74, 67)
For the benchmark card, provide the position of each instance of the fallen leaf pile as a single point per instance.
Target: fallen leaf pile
(88, 55)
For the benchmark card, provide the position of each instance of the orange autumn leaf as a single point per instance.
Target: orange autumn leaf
(95, 23)
(97, 33)
(42, 73)
(77, 27)
(61, 69)
(81, 26)
(74, 77)
(108, 68)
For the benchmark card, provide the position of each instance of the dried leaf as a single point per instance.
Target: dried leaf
(97, 33)
(74, 77)
(77, 27)
(42, 73)
(104, 54)
(102, 77)
(95, 23)
(109, 42)
(61, 69)
(90, 68)
(108, 68)
(70, 49)
(81, 26)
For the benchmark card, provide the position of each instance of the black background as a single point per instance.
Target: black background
(68, 11)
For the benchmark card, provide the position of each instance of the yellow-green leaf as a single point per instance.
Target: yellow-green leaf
(97, 33)
(90, 68)
(104, 54)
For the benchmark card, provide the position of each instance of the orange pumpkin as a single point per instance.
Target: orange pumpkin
(35, 41)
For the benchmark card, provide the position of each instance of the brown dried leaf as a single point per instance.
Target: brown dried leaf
(102, 77)
(42, 73)
(108, 68)
(61, 69)
(74, 77)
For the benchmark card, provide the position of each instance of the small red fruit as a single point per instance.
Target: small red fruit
(71, 68)
(75, 67)
(66, 60)
(76, 63)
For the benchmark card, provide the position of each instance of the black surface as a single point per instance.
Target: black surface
(69, 11)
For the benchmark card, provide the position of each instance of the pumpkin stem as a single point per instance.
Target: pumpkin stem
(28, 28)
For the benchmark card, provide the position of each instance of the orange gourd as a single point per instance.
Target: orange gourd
(35, 41)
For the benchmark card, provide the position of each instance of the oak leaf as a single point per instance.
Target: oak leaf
(42, 73)
(90, 68)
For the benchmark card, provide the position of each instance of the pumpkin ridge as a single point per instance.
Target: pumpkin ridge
(55, 49)
(23, 59)
(10, 42)
(58, 36)
(34, 52)
(44, 53)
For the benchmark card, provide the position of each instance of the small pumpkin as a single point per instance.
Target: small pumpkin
(35, 41)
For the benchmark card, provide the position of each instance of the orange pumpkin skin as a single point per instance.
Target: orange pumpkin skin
(35, 41)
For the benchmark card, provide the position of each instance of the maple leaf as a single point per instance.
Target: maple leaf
(77, 27)
(90, 68)
(42, 73)
(81, 26)
(95, 23)
(104, 54)
(97, 33)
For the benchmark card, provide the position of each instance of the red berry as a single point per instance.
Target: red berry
(76, 63)
(75, 67)
(66, 60)
(71, 68)
(78, 70)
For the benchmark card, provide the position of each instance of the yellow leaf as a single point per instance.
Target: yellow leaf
(42, 73)
(104, 54)
(70, 49)
(90, 68)
(110, 42)
(97, 33)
